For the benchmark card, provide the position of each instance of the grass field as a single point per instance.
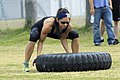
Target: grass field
(12, 46)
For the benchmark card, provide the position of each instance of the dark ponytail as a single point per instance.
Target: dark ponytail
(62, 13)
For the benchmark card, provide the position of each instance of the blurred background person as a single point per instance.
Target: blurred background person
(101, 8)
(116, 17)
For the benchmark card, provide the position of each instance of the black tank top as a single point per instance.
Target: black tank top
(39, 25)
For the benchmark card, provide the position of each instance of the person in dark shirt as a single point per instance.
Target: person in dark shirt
(58, 27)
(116, 19)
(116, 16)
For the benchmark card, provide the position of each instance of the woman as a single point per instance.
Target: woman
(58, 27)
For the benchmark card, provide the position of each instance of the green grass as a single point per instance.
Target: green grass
(13, 37)
(12, 46)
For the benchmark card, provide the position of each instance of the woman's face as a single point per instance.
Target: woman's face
(64, 22)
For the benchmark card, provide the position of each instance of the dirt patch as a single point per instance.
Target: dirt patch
(12, 23)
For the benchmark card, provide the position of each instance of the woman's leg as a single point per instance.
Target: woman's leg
(29, 50)
(34, 36)
(75, 45)
(74, 36)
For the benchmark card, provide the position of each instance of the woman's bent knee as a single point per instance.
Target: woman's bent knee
(34, 35)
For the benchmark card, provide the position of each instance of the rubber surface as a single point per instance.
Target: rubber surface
(82, 61)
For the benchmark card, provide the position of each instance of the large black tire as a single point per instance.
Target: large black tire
(82, 61)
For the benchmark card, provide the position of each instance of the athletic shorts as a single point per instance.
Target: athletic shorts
(116, 14)
(35, 35)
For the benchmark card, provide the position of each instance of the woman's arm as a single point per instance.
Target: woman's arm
(47, 26)
(64, 40)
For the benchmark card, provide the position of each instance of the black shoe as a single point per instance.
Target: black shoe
(102, 40)
(115, 42)
(97, 44)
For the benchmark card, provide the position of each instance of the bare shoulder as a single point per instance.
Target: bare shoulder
(47, 25)
(49, 21)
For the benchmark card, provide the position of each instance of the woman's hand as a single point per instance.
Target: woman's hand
(65, 45)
